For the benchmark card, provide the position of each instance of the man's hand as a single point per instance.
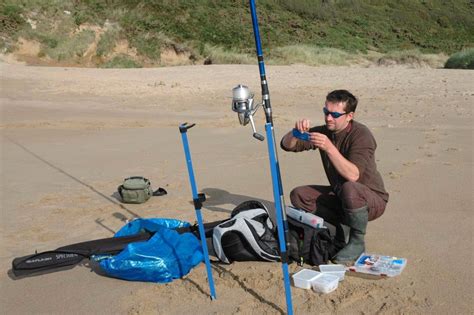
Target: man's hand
(289, 141)
(321, 141)
(303, 125)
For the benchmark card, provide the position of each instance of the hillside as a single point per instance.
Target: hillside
(132, 33)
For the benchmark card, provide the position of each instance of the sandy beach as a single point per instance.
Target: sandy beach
(69, 136)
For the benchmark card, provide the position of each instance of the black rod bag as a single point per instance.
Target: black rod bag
(73, 254)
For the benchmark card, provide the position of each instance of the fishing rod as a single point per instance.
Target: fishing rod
(243, 104)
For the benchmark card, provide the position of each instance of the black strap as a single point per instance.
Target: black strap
(137, 177)
(160, 192)
(199, 200)
(183, 128)
(284, 257)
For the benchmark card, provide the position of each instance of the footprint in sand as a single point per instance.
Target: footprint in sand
(409, 163)
(452, 149)
(394, 175)
(59, 211)
(432, 135)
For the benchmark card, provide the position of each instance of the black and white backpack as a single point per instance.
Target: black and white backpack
(249, 235)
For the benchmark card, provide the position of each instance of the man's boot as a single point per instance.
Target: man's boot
(357, 220)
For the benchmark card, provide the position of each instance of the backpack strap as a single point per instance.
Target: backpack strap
(160, 192)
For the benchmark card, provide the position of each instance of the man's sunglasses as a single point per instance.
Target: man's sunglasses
(333, 114)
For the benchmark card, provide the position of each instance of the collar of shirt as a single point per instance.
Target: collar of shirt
(337, 137)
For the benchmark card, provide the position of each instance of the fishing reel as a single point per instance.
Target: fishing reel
(243, 104)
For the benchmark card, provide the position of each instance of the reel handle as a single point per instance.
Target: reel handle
(258, 136)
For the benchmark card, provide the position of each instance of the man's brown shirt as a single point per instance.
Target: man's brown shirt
(357, 144)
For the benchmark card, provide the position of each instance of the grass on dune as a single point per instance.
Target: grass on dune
(314, 32)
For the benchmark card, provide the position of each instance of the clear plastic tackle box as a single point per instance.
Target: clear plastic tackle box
(379, 265)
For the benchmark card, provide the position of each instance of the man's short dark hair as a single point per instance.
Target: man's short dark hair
(344, 96)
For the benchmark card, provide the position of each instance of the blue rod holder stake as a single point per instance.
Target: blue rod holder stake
(198, 199)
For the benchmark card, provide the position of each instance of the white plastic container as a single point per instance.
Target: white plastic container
(304, 278)
(336, 270)
(304, 217)
(325, 283)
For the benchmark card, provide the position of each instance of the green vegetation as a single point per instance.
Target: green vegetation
(63, 48)
(11, 22)
(219, 55)
(461, 60)
(413, 57)
(11, 18)
(107, 42)
(121, 61)
(311, 55)
(219, 31)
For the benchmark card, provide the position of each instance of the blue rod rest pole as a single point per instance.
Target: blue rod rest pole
(281, 220)
(198, 199)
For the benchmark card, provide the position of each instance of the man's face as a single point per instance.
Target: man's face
(340, 123)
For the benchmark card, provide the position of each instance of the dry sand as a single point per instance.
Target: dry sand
(69, 136)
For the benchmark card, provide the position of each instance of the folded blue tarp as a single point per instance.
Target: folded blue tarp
(166, 256)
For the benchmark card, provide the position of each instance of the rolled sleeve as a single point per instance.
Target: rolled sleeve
(299, 147)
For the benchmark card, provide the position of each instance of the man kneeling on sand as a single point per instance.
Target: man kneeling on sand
(356, 193)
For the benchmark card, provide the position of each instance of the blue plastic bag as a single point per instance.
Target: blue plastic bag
(166, 256)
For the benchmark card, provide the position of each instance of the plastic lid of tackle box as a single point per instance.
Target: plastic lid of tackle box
(380, 265)
(336, 270)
